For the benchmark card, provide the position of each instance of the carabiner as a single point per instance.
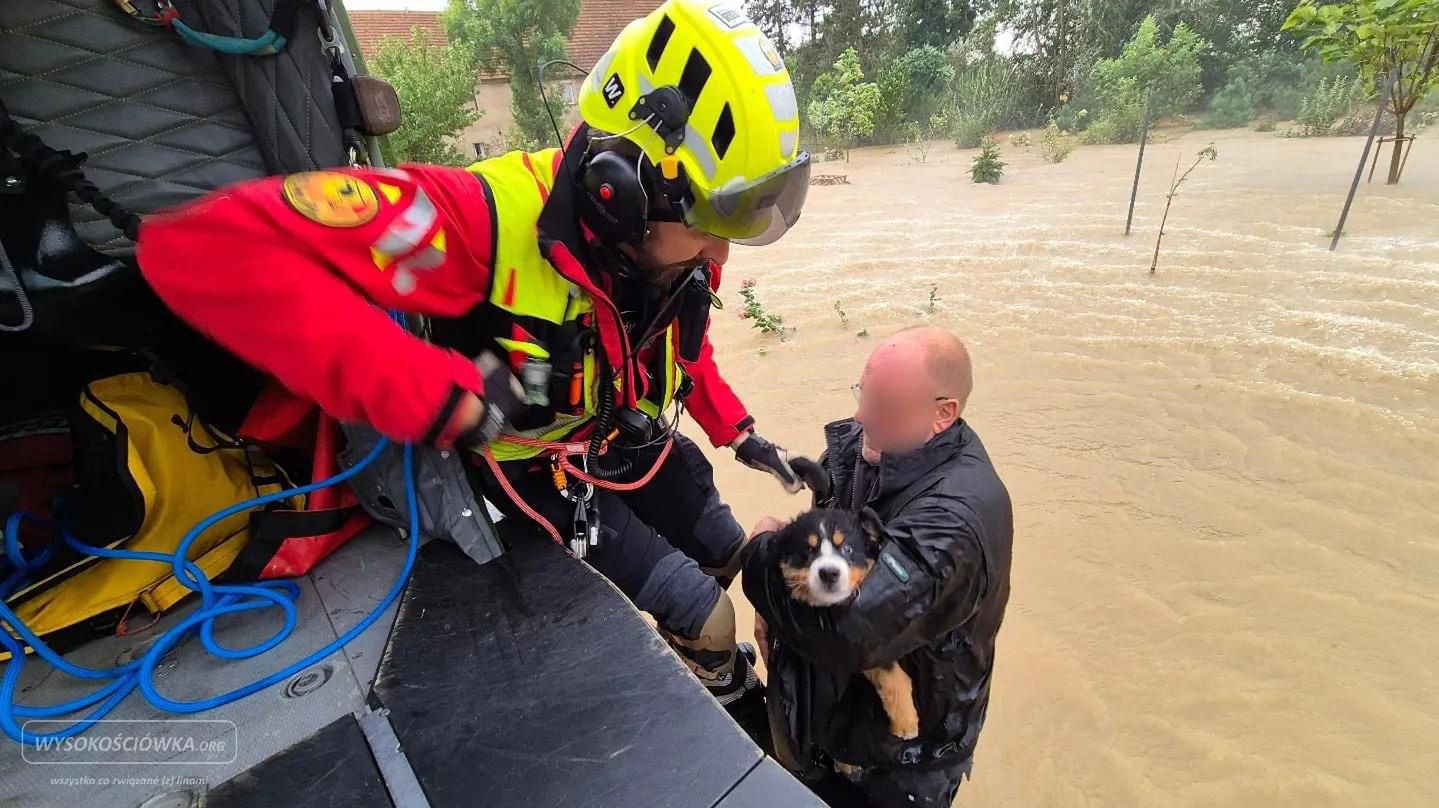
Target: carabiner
(164, 15)
(330, 40)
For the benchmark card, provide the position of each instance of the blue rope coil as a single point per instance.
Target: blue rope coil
(216, 600)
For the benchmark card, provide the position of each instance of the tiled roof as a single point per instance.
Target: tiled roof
(371, 27)
(600, 21)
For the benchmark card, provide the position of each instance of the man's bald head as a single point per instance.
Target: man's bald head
(915, 386)
(944, 356)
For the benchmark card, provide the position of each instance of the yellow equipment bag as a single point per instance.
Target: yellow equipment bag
(148, 470)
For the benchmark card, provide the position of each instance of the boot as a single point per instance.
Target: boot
(726, 669)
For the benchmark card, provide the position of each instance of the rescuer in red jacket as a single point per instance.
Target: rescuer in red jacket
(567, 294)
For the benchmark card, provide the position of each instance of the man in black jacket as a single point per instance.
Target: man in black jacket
(933, 603)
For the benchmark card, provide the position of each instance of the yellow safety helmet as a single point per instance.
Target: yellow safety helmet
(700, 89)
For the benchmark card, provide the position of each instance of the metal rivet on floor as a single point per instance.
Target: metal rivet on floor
(307, 682)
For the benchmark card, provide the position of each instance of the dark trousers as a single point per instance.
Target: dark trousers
(897, 787)
(653, 540)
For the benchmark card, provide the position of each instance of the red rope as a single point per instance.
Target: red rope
(520, 503)
(563, 451)
(614, 486)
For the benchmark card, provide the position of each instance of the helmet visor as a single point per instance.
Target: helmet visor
(756, 212)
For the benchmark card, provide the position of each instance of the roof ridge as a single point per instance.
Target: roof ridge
(597, 25)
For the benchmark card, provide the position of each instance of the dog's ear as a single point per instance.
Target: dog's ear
(872, 526)
(813, 475)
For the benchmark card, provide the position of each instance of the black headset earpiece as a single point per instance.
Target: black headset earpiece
(618, 209)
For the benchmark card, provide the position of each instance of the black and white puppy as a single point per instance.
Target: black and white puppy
(824, 555)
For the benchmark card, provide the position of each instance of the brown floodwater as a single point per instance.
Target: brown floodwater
(1225, 475)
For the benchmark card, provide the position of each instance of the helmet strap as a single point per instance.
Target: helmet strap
(666, 109)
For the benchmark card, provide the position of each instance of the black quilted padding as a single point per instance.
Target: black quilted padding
(160, 120)
(292, 112)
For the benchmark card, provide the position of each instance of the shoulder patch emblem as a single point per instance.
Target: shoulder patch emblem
(332, 198)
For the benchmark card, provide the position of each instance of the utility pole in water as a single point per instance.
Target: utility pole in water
(1359, 172)
(1143, 139)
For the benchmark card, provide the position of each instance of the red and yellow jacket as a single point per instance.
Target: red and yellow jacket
(294, 275)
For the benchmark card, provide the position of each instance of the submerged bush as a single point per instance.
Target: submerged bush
(1055, 144)
(1232, 106)
(1122, 119)
(1329, 110)
(987, 166)
(969, 131)
(985, 96)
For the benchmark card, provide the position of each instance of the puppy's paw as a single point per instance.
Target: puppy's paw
(905, 728)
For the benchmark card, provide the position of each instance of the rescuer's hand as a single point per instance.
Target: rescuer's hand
(483, 419)
(761, 455)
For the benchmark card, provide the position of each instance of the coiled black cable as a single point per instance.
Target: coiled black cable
(604, 422)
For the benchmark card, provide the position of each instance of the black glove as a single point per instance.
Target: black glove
(761, 455)
(503, 399)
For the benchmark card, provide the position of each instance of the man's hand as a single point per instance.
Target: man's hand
(769, 524)
(761, 455)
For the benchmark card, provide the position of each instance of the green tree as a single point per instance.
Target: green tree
(1380, 38)
(436, 85)
(844, 105)
(1118, 86)
(774, 17)
(936, 23)
(1171, 69)
(1059, 40)
(1235, 29)
(517, 36)
(912, 88)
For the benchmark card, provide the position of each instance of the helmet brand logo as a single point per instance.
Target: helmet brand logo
(613, 90)
(729, 15)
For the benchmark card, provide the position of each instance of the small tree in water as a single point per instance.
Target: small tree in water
(1207, 152)
(1378, 37)
(987, 167)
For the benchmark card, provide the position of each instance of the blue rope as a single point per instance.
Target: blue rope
(215, 600)
(265, 44)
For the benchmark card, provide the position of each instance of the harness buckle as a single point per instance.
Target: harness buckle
(330, 40)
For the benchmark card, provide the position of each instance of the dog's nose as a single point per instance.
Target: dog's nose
(828, 575)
